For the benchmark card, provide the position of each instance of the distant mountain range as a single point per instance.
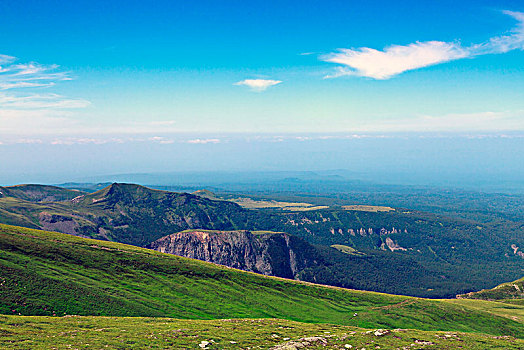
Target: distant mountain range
(396, 250)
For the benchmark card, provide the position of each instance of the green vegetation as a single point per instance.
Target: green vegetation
(26, 332)
(39, 193)
(346, 250)
(124, 213)
(433, 255)
(504, 292)
(48, 273)
(443, 256)
(503, 308)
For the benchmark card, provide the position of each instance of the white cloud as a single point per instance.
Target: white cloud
(203, 141)
(396, 59)
(504, 43)
(24, 111)
(160, 139)
(393, 60)
(5, 59)
(84, 141)
(41, 101)
(258, 85)
(27, 75)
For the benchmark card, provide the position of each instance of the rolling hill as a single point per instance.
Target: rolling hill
(39, 193)
(49, 273)
(509, 292)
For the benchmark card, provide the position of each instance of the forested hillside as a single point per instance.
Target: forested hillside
(397, 250)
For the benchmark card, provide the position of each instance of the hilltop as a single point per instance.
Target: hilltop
(510, 292)
(39, 193)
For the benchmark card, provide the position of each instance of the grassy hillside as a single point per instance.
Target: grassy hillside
(507, 291)
(48, 273)
(39, 193)
(29, 332)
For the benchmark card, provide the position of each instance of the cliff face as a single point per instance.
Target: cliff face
(276, 254)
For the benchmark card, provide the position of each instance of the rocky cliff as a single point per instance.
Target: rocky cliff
(268, 253)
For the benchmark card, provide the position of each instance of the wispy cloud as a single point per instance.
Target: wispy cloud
(396, 59)
(40, 101)
(24, 108)
(203, 141)
(258, 85)
(23, 75)
(84, 141)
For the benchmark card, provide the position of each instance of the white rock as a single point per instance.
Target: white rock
(381, 332)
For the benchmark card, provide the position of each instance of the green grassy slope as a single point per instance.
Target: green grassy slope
(506, 291)
(30, 332)
(504, 308)
(39, 193)
(48, 273)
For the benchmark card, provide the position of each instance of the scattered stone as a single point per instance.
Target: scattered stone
(381, 332)
(203, 344)
(300, 344)
(348, 346)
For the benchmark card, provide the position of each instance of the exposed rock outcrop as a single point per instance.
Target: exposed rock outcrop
(59, 223)
(268, 253)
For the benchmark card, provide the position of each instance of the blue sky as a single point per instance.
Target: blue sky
(193, 72)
